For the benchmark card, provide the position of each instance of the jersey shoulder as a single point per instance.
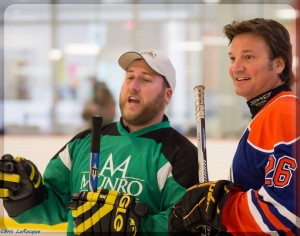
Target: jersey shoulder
(275, 123)
(183, 156)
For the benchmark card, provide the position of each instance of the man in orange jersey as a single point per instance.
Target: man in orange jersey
(260, 197)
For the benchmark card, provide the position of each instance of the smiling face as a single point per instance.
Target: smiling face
(251, 69)
(143, 96)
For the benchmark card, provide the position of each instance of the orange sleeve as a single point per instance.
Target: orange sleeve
(236, 216)
(278, 113)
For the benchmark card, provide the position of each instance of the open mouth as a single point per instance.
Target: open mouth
(132, 99)
(242, 78)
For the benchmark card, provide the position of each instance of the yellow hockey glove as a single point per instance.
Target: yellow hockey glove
(106, 212)
(21, 185)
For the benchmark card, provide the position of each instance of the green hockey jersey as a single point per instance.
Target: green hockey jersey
(155, 164)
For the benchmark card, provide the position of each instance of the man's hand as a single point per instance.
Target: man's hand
(21, 185)
(200, 207)
(106, 212)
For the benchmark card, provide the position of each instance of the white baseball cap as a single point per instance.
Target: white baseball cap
(157, 60)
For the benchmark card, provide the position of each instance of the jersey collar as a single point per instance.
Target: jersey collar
(258, 102)
(165, 123)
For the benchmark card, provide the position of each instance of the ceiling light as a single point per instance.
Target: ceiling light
(287, 14)
(82, 49)
(55, 54)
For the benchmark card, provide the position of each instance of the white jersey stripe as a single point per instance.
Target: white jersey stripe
(163, 174)
(257, 216)
(283, 210)
(272, 150)
(64, 155)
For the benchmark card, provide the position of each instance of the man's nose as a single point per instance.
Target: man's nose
(134, 84)
(237, 65)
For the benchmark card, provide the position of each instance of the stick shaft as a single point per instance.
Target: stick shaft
(201, 132)
(95, 152)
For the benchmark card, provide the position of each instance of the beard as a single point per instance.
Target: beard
(147, 112)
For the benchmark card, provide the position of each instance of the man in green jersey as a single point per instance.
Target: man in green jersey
(142, 160)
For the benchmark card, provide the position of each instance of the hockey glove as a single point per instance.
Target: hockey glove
(106, 212)
(176, 224)
(21, 185)
(201, 206)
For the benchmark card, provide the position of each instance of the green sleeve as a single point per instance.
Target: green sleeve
(157, 224)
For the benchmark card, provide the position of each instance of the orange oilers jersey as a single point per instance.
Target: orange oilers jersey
(264, 166)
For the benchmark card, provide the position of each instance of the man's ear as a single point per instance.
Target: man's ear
(168, 95)
(279, 64)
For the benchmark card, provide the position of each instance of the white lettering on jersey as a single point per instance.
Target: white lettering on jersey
(109, 165)
(115, 177)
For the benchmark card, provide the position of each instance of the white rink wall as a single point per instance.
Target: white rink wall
(41, 148)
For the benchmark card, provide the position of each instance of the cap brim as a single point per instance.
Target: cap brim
(127, 58)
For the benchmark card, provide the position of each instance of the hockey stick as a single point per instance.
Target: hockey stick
(201, 132)
(95, 152)
(201, 140)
